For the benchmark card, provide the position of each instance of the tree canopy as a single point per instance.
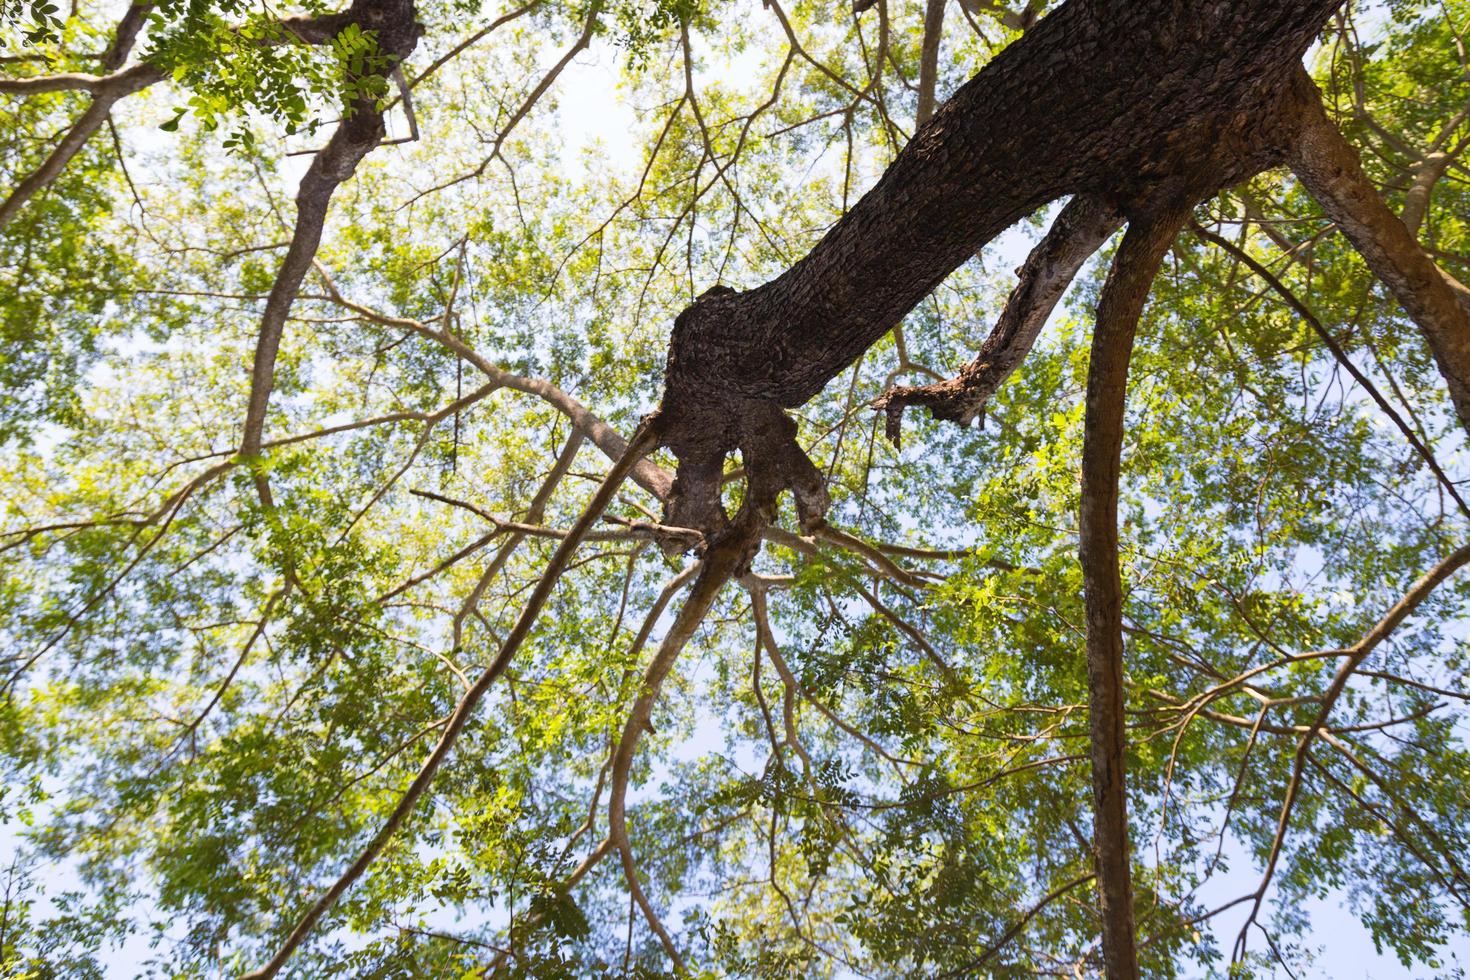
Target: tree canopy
(399, 404)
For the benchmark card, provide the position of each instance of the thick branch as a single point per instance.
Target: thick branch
(106, 93)
(1328, 167)
(724, 560)
(1101, 97)
(113, 86)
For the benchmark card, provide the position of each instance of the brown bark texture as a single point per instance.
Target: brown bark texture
(1126, 102)
(1329, 168)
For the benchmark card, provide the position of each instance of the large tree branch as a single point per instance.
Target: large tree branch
(1138, 260)
(115, 84)
(1329, 168)
(106, 92)
(1124, 101)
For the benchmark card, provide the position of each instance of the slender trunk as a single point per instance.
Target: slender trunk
(354, 138)
(1143, 249)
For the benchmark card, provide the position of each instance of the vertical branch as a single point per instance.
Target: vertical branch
(719, 567)
(355, 137)
(1138, 260)
(929, 60)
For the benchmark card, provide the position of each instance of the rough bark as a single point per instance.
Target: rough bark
(1329, 168)
(1137, 262)
(1128, 102)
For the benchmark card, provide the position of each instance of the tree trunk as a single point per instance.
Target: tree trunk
(1139, 257)
(1123, 100)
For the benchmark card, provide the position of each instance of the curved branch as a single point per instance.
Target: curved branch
(1138, 260)
(724, 559)
(106, 92)
(110, 88)
(648, 475)
(355, 137)
(1078, 231)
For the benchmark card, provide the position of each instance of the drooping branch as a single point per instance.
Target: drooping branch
(647, 474)
(1138, 260)
(1079, 231)
(725, 559)
(1020, 925)
(1329, 168)
(534, 514)
(589, 29)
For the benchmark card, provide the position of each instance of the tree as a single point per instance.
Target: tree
(330, 666)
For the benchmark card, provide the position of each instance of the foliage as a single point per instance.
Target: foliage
(208, 705)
